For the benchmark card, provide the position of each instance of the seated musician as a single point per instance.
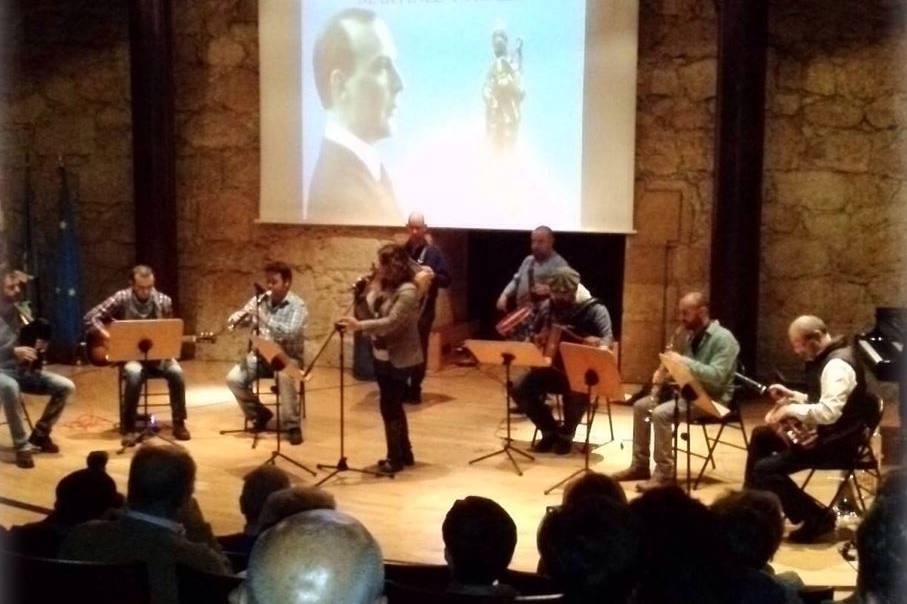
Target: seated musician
(710, 351)
(18, 373)
(282, 317)
(836, 404)
(590, 321)
(141, 301)
(529, 285)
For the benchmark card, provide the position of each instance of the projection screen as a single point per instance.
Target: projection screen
(496, 114)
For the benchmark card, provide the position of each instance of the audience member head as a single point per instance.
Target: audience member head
(680, 539)
(591, 550)
(752, 524)
(161, 480)
(257, 486)
(293, 500)
(86, 494)
(317, 557)
(593, 484)
(882, 547)
(479, 539)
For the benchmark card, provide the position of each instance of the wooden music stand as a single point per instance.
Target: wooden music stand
(520, 354)
(280, 362)
(145, 340)
(692, 391)
(592, 371)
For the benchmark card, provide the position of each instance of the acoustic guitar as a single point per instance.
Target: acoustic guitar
(97, 345)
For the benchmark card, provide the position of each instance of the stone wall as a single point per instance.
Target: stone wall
(833, 179)
(675, 123)
(66, 96)
(835, 188)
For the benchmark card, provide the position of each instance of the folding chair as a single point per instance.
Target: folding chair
(734, 420)
(864, 459)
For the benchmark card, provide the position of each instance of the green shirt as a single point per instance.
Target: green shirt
(714, 362)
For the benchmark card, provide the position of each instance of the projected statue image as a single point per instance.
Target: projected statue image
(503, 91)
(357, 83)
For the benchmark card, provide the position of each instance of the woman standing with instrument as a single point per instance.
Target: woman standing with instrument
(389, 313)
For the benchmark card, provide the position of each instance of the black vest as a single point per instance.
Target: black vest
(859, 409)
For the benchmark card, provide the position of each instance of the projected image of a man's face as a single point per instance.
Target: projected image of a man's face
(367, 98)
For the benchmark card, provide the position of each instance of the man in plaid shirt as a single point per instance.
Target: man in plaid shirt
(141, 301)
(281, 317)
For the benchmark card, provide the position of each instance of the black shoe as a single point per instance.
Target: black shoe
(24, 458)
(408, 459)
(180, 431)
(514, 410)
(545, 444)
(43, 443)
(632, 473)
(262, 417)
(389, 466)
(295, 436)
(563, 445)
(813, 528)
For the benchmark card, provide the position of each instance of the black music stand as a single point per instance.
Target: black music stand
(688, 388)
(520, 354)
(145, 340)
(279, 362)
(342, 465)
(590, 370)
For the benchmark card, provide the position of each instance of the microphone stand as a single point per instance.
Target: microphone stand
(342, 465)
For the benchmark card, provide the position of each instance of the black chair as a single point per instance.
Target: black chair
(734, 420)
(25, 414)
(200, 587)
(398, 593)
(32, 580)
(436, 577)
(271, 391)
(816, 595)
(863, 460)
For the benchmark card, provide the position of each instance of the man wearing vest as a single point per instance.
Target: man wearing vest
(588, 319)
(141, 301)
(836, 404)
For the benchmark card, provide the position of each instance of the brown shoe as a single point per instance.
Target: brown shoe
(180, 431)
(654, 483)
(632, 473)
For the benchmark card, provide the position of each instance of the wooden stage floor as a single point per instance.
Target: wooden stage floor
(460, 418)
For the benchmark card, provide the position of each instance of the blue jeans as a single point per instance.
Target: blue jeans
(13, 382)
(135, 374)
(244, 374)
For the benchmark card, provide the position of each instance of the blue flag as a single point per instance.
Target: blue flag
(30, 261)
(67, 313)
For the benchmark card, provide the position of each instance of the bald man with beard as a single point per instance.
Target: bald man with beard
(317, 557)
(836, 403)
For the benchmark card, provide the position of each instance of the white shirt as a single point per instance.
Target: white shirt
(366, 153)
(838, 380)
